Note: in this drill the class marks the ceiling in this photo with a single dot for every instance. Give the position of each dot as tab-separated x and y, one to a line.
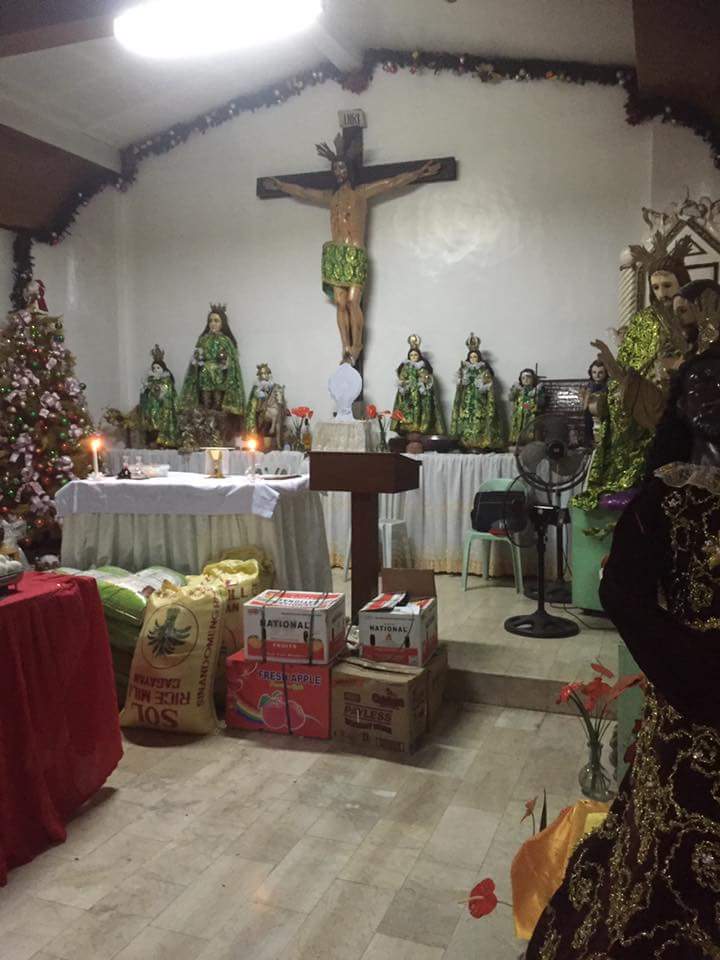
74	87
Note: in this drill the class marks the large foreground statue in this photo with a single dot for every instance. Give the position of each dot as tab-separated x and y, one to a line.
639	376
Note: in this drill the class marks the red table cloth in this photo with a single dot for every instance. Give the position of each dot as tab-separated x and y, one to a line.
59	729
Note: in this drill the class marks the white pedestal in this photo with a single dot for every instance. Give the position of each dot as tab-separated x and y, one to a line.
336	436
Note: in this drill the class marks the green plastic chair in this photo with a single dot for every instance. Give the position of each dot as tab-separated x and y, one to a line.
487	539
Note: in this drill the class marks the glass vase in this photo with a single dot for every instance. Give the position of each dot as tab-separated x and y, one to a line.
382	443
594	780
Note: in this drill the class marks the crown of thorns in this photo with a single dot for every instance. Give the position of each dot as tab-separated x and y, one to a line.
341	153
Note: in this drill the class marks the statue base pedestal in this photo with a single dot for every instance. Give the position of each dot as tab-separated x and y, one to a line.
340	436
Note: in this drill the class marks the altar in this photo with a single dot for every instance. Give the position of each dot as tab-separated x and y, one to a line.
186	520
437	514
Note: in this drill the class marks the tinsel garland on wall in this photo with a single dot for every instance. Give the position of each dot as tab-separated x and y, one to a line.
485	69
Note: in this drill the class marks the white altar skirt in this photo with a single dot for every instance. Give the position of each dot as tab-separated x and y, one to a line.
294	539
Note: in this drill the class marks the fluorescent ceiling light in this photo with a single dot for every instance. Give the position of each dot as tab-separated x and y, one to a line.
197	28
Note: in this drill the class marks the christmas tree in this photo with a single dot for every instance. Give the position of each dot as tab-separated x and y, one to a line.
43	416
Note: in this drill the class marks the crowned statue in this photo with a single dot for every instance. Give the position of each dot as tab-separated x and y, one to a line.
213	380
475	418
526	397
652	345
158	415
266	408
416	396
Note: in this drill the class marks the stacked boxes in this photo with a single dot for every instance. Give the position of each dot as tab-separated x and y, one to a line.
280	682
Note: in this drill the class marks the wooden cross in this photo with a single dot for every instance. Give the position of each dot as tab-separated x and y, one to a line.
324	179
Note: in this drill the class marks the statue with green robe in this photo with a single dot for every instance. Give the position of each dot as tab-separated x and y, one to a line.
475	422
639	376
416	396
526	397
213	380
158	415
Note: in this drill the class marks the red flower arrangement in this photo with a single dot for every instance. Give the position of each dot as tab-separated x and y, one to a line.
301	417
385	419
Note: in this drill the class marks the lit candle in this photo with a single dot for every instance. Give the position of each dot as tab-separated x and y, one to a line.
95	446
252	447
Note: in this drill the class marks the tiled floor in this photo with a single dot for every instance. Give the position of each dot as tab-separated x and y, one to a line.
268	848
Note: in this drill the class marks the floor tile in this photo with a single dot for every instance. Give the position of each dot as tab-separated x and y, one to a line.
303	877
422	799
391	948
426	908
154	944
342	924
380	865
255	932
211	899
491	937
142	895
85	882
462	837
98	934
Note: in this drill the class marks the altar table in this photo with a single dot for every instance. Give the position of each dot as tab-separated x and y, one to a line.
186	520
59	731
437	515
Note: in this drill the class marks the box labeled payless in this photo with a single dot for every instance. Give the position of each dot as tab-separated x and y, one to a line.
288	626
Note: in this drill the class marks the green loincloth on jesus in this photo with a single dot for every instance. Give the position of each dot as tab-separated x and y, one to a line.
343	265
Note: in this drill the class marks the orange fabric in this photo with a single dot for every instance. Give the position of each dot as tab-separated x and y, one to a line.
539	865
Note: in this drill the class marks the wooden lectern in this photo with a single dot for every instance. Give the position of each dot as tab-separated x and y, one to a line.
364	475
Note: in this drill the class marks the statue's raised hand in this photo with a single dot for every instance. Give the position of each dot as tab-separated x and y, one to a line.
430	168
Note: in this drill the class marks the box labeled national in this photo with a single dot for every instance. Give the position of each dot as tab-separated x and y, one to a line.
381	706
401	624
278	697
284	626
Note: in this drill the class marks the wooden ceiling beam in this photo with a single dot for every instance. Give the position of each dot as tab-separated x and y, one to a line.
40	24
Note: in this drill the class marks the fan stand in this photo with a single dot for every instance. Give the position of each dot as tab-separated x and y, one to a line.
559	591
541	623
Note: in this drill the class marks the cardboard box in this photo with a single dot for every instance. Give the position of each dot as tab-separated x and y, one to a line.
278	697
401	625
437	671
285	626
381	706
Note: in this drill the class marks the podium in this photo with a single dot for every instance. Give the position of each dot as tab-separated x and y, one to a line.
364	476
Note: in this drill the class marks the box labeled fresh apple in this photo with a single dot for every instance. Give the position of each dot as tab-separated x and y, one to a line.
278	697
401	625
285	626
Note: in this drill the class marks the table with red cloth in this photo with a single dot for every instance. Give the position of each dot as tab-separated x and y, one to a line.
59	730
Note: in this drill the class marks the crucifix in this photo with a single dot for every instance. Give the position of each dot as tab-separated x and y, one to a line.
345	190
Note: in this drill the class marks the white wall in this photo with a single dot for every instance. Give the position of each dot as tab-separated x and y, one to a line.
84	277
522	248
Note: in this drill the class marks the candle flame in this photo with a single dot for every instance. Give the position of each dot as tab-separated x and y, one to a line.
95	444
251	443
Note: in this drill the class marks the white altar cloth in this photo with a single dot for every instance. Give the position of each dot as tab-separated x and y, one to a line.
178	493
437	514
106	526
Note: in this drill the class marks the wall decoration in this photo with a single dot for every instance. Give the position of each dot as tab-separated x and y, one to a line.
486	69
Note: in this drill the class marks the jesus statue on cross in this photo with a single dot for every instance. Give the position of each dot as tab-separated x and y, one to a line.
345	257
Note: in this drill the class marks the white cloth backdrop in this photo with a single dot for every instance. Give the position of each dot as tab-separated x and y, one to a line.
437	514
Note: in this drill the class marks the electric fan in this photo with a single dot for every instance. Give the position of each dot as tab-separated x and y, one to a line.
550	460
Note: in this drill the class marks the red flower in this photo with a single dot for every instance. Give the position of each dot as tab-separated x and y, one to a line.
529	808
302	412
397	415
602	670
596	690
623	684
482	899
371	411
564	694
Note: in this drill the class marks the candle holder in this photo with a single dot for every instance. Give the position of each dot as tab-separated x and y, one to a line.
95	444
251	446
216	456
